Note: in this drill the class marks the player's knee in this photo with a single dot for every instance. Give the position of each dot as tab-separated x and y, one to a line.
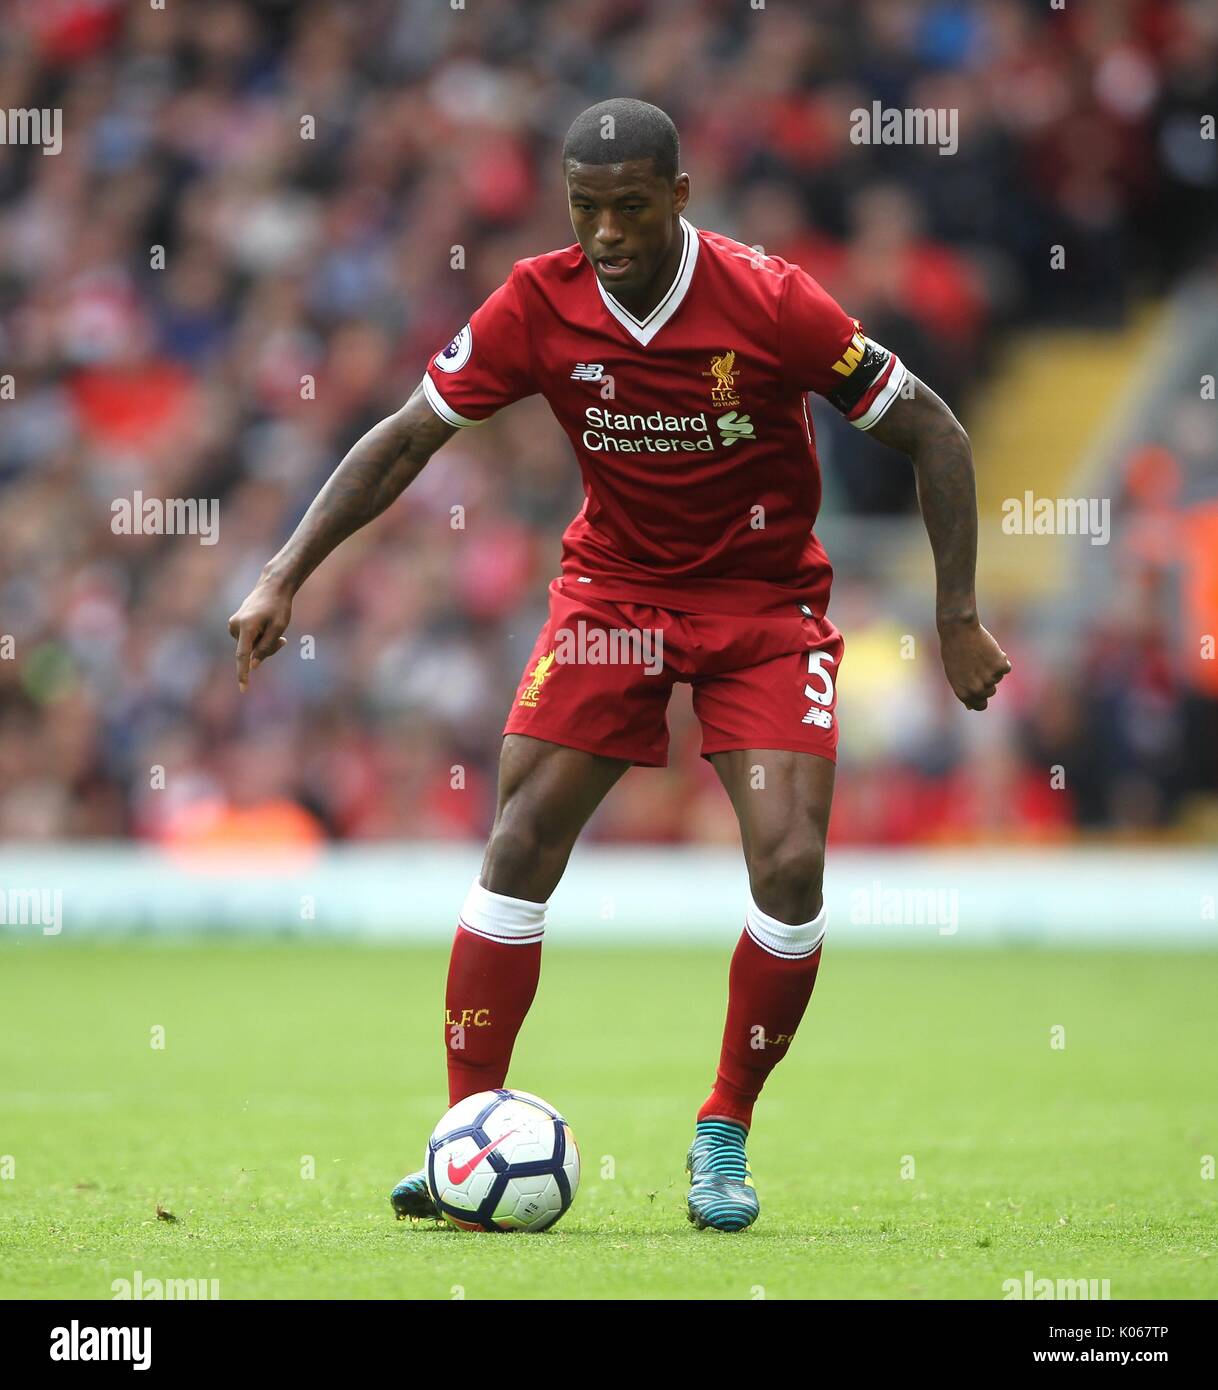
786	878
524	857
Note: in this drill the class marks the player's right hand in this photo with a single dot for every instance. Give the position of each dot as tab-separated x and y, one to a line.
258	626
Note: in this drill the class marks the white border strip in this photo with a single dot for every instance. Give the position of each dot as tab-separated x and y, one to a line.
888	393
444	410
644	330
1138	899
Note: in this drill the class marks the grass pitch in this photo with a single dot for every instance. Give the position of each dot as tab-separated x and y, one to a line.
923	1139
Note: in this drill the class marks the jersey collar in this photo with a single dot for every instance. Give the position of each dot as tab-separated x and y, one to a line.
644	330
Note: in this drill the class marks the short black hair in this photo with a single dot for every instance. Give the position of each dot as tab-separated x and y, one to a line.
620	129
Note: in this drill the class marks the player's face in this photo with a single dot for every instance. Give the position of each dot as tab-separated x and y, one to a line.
626	219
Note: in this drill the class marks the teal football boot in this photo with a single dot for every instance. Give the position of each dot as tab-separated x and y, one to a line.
721	1193
412	1199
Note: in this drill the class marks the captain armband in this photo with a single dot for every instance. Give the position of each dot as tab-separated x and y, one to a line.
872	378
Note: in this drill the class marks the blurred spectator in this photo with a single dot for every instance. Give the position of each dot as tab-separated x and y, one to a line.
265	217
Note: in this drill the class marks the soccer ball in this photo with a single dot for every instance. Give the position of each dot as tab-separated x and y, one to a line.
502	1161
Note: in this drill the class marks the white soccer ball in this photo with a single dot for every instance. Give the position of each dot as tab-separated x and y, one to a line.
502	1161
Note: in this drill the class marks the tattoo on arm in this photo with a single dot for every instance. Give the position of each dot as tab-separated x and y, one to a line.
923	427
372	475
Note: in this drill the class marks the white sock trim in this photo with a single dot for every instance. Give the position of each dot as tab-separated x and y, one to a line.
511	921
791	942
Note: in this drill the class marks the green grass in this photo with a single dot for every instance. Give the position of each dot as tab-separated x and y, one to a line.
1077	1163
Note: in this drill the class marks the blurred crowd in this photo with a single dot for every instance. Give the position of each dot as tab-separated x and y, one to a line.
243	256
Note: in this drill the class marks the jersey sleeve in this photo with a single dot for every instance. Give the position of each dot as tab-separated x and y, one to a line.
487	365
824	350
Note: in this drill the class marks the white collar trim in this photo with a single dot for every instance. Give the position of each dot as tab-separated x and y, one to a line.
644	330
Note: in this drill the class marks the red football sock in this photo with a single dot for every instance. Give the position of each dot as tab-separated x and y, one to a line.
492	978
770	982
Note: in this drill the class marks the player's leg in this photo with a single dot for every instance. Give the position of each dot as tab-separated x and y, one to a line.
546	794
782	803
575	726
766	696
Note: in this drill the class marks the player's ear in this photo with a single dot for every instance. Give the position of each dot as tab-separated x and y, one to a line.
680	193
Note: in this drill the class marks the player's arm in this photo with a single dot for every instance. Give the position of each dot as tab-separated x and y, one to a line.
372	475
824	350
919	424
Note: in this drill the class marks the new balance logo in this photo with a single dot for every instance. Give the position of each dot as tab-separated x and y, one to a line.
588	371
821	695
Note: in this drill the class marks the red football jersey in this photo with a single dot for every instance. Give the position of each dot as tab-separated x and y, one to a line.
691	426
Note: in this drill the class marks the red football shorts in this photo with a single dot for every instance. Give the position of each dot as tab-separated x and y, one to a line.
601	674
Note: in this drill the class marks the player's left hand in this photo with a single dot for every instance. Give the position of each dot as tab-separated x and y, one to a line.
974	663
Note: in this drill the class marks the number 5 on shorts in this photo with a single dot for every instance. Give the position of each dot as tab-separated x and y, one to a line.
824	695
